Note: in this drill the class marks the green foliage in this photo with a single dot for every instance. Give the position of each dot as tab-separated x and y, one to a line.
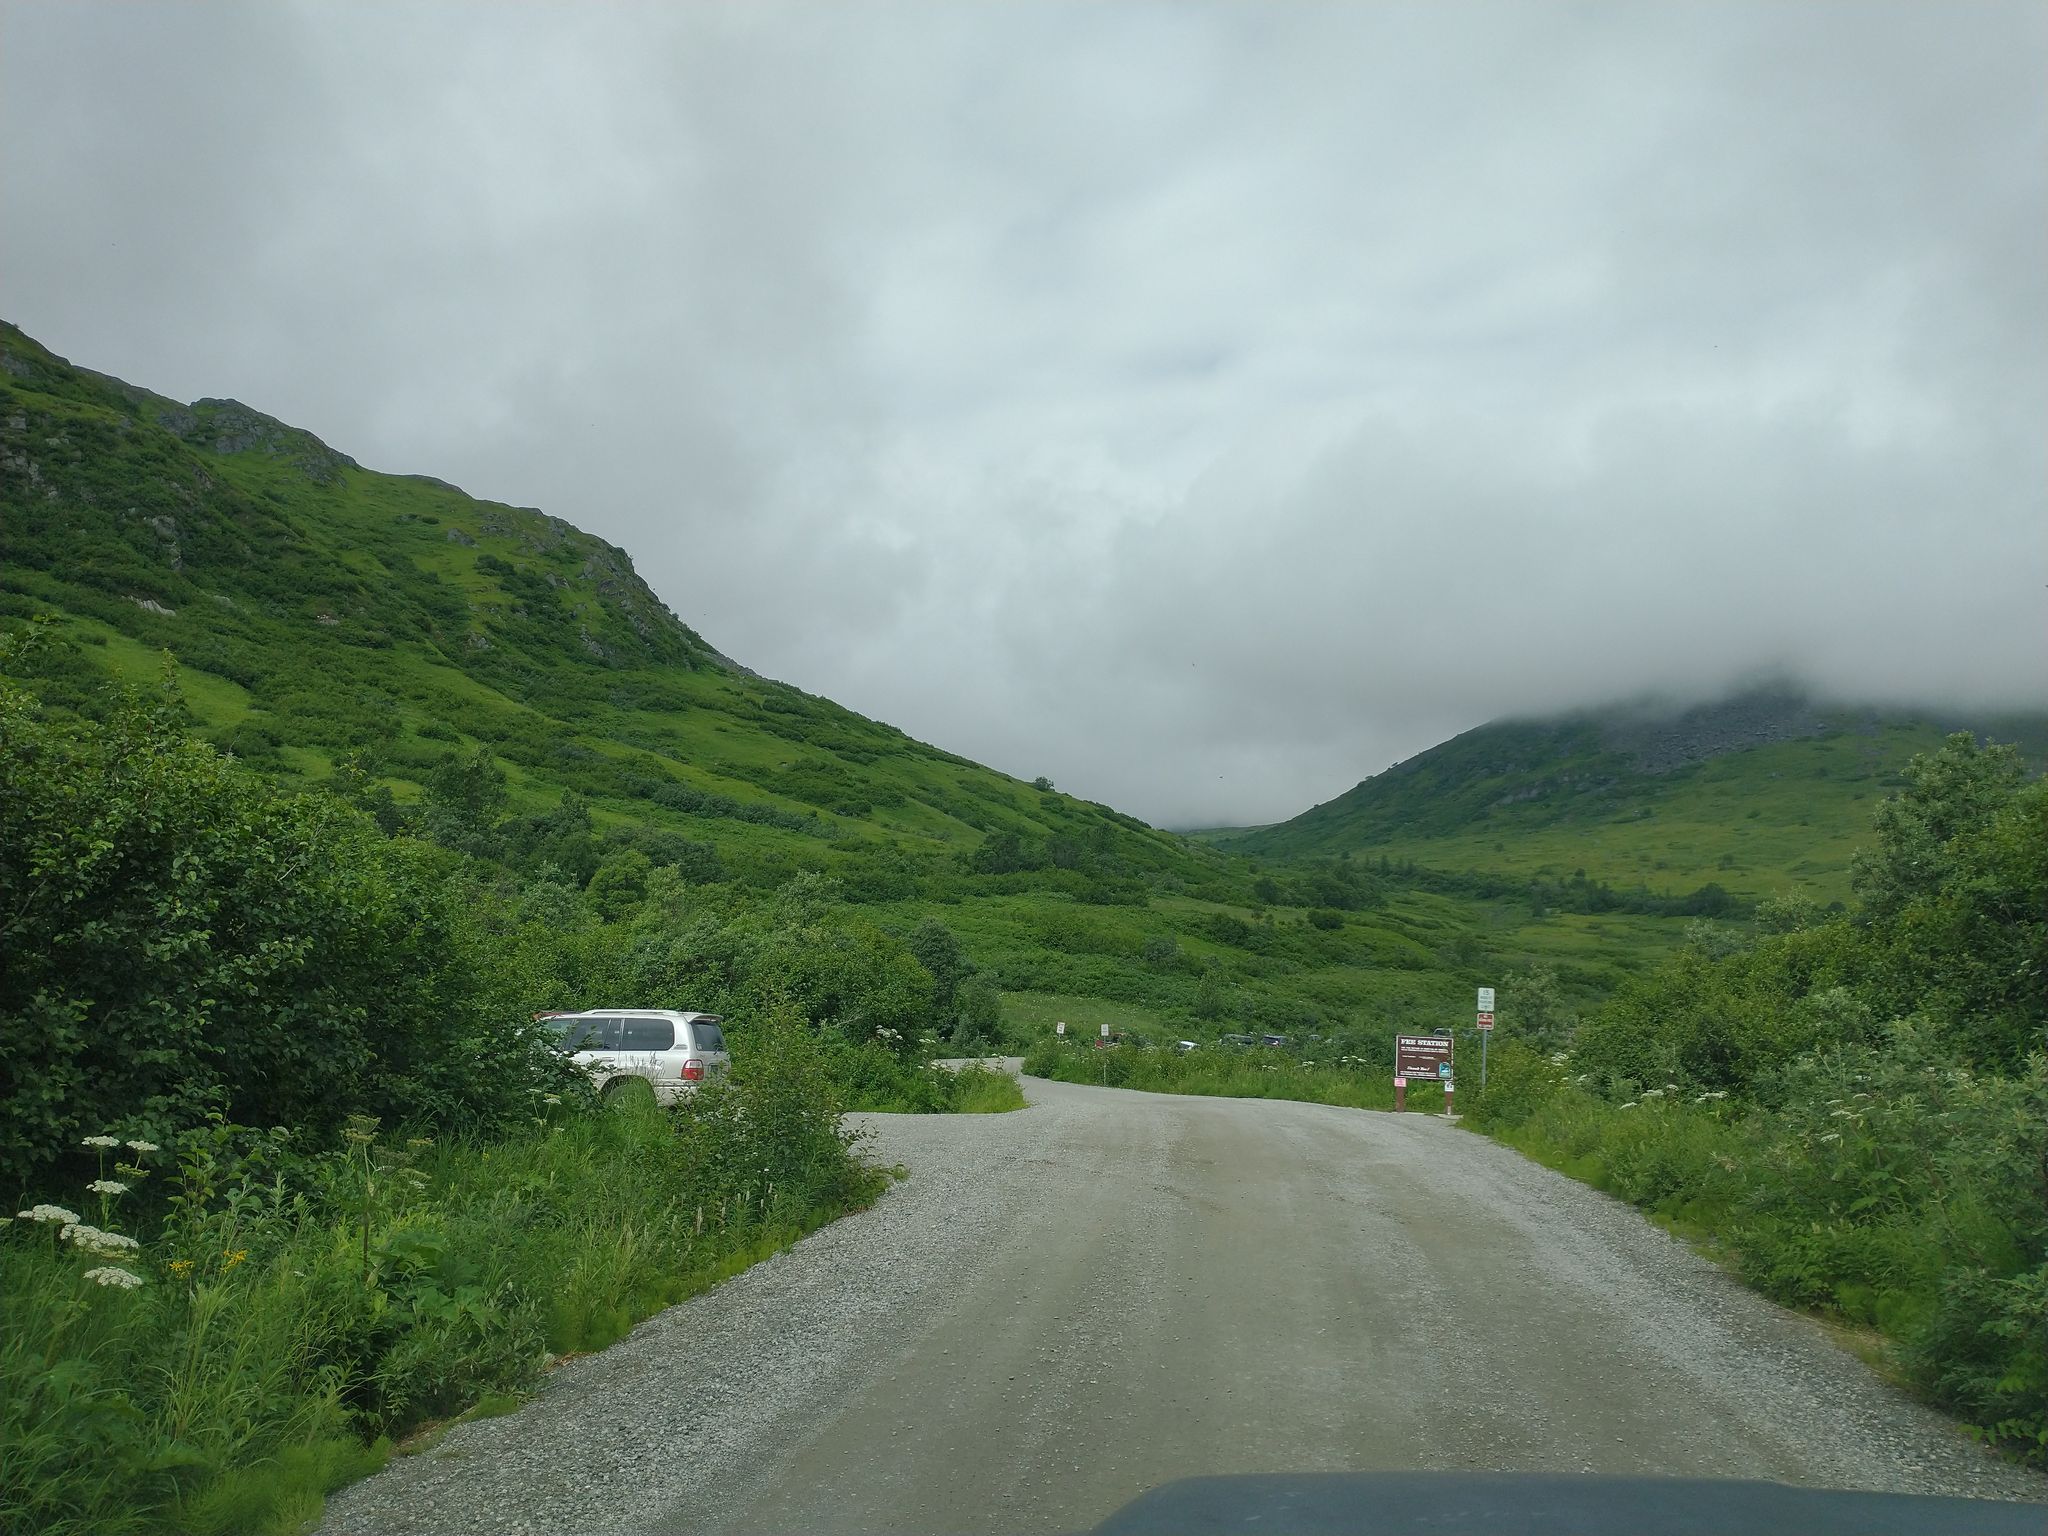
1949	797
938	951
1884	1185
619	885
1957	936
298	1308
187	939
979	1014
980	1089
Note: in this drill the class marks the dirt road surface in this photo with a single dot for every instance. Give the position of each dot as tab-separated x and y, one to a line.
1064	1306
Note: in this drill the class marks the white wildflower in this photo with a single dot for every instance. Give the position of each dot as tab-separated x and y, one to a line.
1832	1136
142	1146
105	1245
107	1187
101	1141
1631	1104
48	1213
1653	1093
120	1279
1841	1114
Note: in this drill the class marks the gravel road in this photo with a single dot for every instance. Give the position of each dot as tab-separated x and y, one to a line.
1064	1306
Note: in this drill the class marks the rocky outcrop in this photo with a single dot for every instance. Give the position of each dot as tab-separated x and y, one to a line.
1663	743
228	426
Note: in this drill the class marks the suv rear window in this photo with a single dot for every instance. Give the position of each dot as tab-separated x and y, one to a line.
709	1036
646	1034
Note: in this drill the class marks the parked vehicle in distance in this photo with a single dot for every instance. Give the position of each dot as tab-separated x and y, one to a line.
673	1053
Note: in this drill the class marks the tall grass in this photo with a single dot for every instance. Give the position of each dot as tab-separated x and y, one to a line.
872	1078
979	1089
296	1313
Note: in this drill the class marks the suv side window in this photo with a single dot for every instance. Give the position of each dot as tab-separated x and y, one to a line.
646	1034
603	1036
708	1035
575	1034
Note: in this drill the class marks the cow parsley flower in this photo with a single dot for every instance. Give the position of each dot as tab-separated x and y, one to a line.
105	1245
142	1146
49	1213
101	1142
120	1279
107	1187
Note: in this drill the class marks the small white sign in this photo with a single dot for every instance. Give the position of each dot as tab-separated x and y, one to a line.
1060	1028
1105	1031
1486	999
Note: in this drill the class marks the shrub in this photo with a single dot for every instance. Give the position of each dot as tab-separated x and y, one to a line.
192	940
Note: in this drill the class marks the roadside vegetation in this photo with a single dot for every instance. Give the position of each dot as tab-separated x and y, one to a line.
296	1174
1853	1108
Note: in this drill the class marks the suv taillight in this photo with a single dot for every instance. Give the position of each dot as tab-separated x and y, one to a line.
693	1071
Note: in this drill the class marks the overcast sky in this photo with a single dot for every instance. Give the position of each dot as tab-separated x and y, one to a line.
1204	405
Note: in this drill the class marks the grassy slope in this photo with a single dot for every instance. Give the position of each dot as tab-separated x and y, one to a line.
1553	798
340	610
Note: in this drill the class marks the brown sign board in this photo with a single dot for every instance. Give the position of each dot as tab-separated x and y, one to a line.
1422	1058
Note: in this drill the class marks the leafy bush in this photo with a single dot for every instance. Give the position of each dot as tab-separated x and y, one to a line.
286	1311
190	940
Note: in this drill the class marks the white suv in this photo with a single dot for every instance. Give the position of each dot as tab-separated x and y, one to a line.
672	1052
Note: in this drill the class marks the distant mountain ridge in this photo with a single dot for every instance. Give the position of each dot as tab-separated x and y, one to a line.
1609	789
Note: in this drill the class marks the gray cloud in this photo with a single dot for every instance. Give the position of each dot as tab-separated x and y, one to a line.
1204	404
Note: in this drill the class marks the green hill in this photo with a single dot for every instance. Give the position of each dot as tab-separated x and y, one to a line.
321	614
1765	791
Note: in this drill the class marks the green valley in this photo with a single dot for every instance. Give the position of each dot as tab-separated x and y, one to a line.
492	678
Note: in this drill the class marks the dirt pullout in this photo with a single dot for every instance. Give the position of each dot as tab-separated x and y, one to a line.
1065	1306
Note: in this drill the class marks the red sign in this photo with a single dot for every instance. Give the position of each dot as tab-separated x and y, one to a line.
1422	1056
1486	1021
